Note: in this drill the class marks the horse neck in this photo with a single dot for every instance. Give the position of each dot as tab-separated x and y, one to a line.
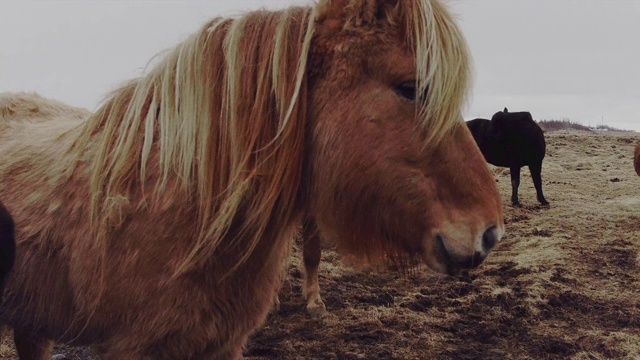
231	265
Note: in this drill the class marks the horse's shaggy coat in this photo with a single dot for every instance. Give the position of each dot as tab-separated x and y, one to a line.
157	227
512	140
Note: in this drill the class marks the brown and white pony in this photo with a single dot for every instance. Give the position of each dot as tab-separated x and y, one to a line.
636	159
156	228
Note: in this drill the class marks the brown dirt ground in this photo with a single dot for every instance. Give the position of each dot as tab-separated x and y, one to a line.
564	282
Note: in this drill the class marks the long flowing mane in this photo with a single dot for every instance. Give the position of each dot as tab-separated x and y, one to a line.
221	120
215	116
443	69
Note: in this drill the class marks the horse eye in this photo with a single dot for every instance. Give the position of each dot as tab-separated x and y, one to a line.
407	90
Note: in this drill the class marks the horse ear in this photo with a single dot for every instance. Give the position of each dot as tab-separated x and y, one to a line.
357	11
505	110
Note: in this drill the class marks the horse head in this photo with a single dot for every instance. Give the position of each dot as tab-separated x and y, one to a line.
394	171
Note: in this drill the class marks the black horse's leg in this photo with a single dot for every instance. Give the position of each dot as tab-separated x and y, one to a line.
515	182
7	246
536	175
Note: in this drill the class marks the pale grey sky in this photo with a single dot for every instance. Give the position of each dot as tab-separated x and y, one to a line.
575	59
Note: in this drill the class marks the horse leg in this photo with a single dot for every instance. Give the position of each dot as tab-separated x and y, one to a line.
515	182
7	246
536	175
311	253
32	349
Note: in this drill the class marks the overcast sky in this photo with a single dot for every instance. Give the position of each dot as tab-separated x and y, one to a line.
558	59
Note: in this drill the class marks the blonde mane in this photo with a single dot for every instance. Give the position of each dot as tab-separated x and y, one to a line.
443	68
221	120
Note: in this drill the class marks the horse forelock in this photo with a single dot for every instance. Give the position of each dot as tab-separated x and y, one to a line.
443	65
443	69
219	120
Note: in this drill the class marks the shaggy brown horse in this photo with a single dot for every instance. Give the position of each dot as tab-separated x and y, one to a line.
157	227
636	159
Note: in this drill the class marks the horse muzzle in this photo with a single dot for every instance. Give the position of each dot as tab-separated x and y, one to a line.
450	258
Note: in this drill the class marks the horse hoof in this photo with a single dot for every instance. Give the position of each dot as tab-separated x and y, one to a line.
316	309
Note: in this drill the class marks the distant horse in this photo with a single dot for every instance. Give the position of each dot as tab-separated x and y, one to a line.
512	140
636	159
157	227
7	246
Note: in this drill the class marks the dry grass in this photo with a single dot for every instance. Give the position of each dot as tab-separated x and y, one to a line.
6	349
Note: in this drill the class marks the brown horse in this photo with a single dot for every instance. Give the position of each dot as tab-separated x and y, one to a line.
636	159
156	228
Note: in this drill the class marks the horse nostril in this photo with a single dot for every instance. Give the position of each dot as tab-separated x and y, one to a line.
489	239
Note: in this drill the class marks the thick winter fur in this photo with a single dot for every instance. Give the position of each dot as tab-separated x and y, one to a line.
513	140
156	228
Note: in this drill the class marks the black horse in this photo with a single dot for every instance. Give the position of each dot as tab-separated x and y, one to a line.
7	245
512	140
